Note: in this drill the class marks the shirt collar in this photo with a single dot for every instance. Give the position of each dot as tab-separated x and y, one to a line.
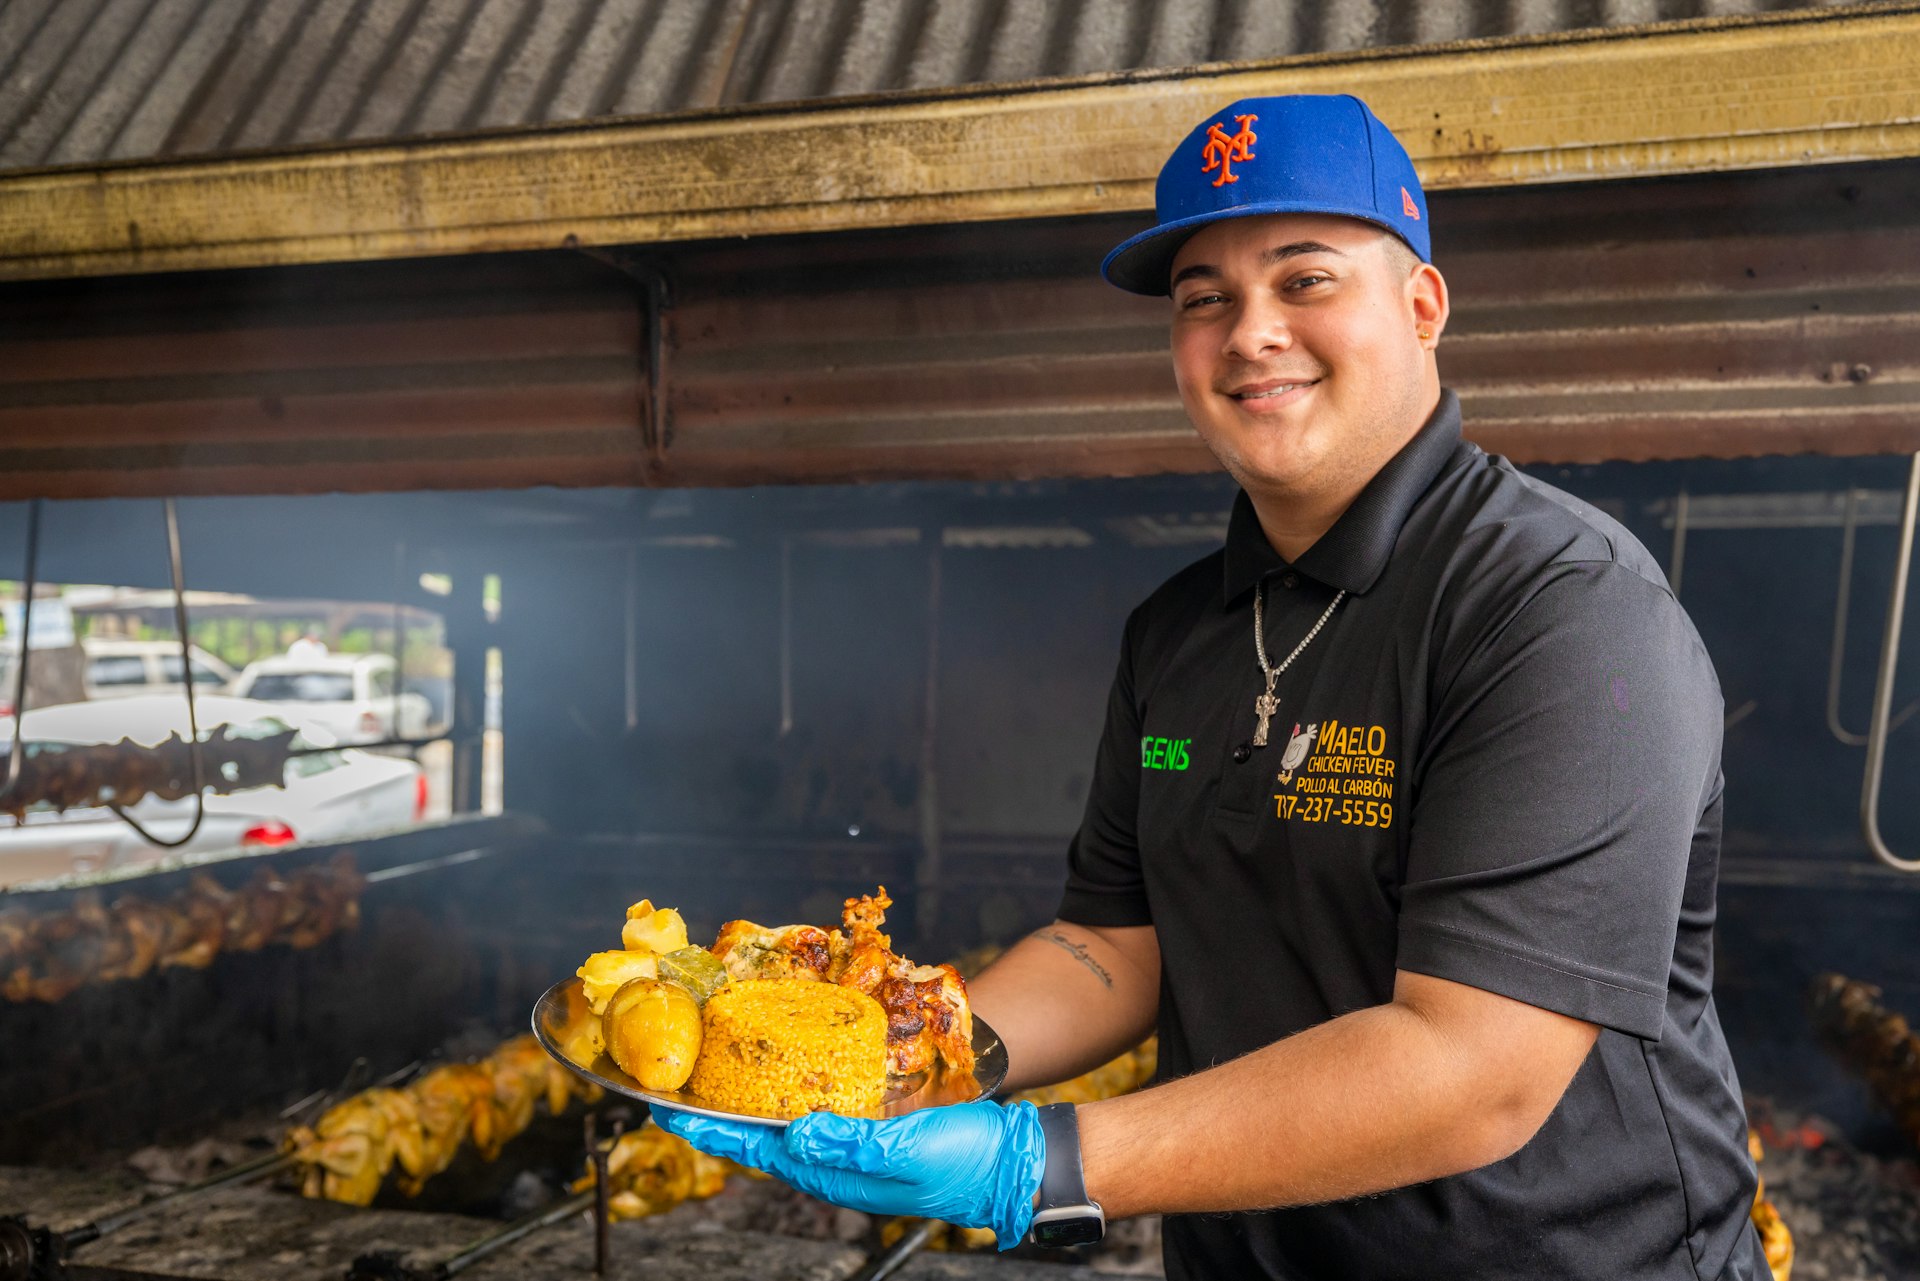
1355	550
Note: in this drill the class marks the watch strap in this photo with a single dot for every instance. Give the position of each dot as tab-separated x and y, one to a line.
1062	1182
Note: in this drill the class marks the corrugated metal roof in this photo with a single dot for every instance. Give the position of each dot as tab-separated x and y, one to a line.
85	81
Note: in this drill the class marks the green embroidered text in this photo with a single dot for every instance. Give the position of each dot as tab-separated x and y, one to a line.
1164	753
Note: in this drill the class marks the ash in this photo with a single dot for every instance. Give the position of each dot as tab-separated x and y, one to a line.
750	1205
1854	1215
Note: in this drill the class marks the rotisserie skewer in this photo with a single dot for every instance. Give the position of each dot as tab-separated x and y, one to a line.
74	776
46	958
347	1154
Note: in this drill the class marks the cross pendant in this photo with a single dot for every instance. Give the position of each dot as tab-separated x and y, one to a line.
1264	707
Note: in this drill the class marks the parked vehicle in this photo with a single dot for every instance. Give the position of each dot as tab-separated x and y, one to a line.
56	674
329	796
350	695
127	668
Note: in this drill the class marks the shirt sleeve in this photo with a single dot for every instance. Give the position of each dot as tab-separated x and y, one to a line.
1104	882
1568	762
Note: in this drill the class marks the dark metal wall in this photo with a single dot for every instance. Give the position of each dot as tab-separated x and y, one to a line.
1766	313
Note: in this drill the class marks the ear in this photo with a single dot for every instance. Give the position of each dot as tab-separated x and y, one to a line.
1427	303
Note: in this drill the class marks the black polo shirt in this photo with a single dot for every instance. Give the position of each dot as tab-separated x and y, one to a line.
1498	763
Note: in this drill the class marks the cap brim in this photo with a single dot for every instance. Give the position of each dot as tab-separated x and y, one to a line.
1143	264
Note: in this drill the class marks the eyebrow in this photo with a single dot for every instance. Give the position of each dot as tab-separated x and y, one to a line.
1277	254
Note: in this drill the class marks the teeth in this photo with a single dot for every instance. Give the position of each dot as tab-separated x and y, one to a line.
1277	391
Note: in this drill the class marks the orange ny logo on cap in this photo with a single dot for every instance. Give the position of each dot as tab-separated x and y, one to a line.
1407	206
1222	151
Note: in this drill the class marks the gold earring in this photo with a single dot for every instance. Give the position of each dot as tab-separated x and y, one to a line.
1425	334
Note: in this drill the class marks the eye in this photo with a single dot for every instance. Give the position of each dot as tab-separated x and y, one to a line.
1200	299
1308	281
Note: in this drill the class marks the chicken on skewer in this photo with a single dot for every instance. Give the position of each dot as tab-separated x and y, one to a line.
650	1172
47	958
347	1154
68	776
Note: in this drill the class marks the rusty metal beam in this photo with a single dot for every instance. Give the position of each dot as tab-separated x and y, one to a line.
1812	87
1711	316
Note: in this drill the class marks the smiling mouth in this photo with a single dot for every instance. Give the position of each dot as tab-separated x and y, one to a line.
1273	392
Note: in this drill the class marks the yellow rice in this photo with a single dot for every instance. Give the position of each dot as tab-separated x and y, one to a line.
786	1047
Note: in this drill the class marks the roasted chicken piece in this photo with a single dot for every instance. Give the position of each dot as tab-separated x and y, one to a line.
349	1150
1775	1239
45	958
752	951
197	929
650	1171
928	1016
424	1125
254	912
455	1103
143	928
863	956
942	997
523	1074
1873	1040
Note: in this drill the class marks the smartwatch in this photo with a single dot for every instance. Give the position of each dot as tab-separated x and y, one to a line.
1066	1216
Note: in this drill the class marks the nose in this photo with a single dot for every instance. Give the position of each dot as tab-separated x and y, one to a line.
1259	330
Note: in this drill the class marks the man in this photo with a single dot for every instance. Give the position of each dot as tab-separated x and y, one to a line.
1404	825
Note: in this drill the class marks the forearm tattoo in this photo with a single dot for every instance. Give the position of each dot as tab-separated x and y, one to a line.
1078	951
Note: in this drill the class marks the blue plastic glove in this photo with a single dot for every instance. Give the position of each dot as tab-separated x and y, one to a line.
977	1165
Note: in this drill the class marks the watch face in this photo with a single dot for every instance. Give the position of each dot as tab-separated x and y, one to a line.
1058	1234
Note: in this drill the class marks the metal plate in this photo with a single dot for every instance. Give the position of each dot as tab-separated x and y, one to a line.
564	1023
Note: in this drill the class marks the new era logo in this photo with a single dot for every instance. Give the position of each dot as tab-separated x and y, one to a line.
1407	206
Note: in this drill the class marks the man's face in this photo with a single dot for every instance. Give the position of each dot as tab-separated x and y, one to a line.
1297	350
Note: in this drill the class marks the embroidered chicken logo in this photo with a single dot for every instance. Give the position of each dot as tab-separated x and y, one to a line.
1224	150
1297	748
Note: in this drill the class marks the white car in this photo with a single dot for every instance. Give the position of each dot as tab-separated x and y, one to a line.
348	695
127	668
329	796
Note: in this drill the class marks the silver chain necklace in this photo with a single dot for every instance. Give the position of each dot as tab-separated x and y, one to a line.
1266	705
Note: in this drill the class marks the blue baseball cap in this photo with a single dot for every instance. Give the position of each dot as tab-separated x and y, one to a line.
1303	153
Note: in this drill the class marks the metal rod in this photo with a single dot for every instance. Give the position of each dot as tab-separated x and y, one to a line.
633	639
519	1228
602	1197
927	874
362	747
259	1166
1879	725
786	636
1836	658
265	1164
1677	562
398	730
26	644
656	301
895	1256
194	763
656	304
430	864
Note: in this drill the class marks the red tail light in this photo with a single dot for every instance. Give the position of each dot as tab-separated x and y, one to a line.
6	708
419	796
370	724
270	834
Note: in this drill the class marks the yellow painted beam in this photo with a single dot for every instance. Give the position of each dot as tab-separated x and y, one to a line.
1813	87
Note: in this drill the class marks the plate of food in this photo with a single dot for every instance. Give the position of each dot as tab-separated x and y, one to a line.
771	1023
